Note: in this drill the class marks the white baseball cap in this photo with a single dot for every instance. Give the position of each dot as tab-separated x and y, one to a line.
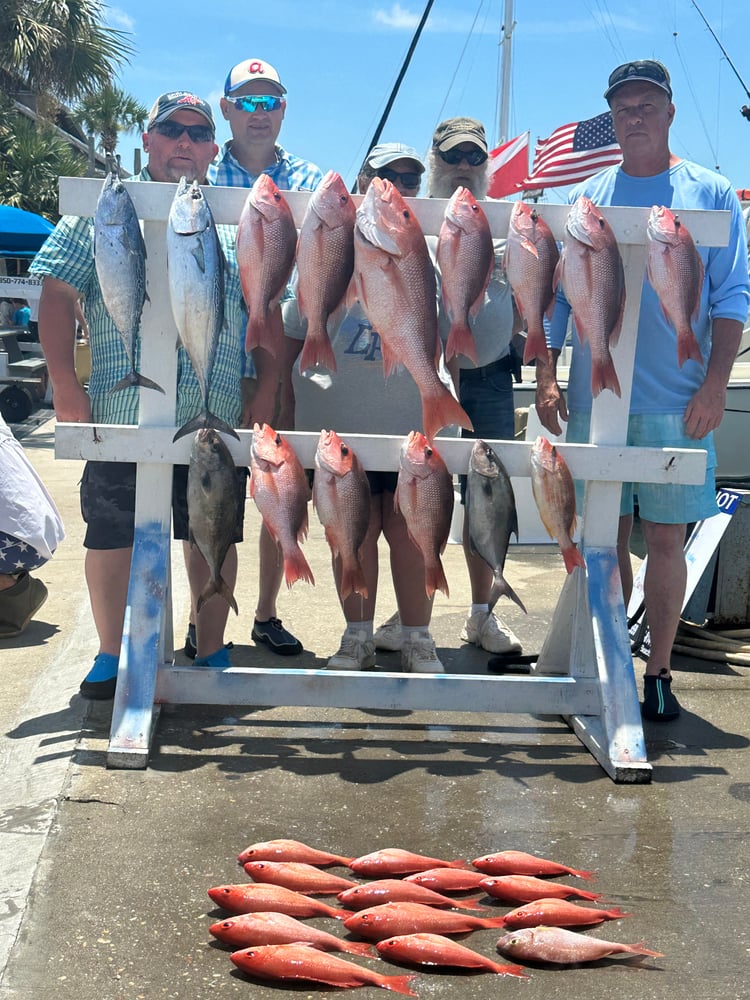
249	70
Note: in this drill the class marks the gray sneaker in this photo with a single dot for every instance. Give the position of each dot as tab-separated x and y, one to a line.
488	632
356	652
388	636
19	604
418	655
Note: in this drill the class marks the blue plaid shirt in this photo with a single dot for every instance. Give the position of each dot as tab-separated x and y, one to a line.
289	173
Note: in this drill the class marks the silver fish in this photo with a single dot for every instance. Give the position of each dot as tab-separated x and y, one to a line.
120	263
195	265
491	510
214	503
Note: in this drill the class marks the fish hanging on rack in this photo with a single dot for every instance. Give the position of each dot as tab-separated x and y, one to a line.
530	261
195	266
555	496
120	263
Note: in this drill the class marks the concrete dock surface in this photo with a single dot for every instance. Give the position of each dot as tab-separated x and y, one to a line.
104	873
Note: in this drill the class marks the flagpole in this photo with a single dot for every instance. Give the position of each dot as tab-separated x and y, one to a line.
506	45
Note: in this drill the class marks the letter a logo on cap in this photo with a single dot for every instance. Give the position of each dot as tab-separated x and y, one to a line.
255	67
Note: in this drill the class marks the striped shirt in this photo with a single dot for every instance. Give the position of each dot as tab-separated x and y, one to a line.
289	173
68	255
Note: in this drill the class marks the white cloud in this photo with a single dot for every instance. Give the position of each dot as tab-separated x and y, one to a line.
119	19
397	17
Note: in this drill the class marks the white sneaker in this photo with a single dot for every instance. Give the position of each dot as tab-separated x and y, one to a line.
356	652
388	636
418	655
485	630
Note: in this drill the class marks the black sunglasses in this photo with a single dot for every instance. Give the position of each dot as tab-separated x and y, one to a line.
408	180
454	156
173	130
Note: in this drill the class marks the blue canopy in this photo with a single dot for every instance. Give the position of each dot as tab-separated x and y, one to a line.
21	233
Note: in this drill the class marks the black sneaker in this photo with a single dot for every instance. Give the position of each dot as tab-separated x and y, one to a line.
190	649
659	704
276	637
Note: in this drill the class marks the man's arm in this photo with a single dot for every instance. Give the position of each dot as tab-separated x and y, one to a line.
272	401
705	410
57	335
550	402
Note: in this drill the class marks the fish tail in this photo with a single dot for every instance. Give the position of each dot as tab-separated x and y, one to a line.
442	410
435	580
604	376
317	350
641	949
582	874
536	346
572	557
296	567
205	419
501	588
687	347
220	587
135	378
491	921
397	984
257	334
472	903
339	914
511	970
358	948
461	341
353	581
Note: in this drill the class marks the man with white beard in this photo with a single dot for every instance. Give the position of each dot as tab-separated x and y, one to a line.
458	158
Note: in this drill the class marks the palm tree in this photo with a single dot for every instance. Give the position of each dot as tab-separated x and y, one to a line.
108	112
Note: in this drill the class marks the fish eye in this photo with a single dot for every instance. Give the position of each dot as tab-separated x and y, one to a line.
428	452
277	439
407	214
344	449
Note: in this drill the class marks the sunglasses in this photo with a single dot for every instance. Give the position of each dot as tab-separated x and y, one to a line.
174	130
408	180
251	102
454	156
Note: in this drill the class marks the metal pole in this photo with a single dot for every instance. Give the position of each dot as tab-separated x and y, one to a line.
506	44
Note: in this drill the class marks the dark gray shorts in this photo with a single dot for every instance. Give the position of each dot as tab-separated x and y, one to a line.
108	504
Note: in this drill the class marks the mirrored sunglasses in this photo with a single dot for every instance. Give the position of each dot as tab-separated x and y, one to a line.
408	180
251	102
173	130
454	156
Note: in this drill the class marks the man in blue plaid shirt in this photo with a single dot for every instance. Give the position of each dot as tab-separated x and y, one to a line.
254	104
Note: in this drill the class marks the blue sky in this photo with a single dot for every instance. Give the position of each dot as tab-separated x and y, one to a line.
339	60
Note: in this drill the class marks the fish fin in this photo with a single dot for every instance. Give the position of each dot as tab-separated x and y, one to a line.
400	984
572	558
501	588
604	376
435	580
317	350
639	948
441	410
529	246
296	568
687	347
135	378
258	335
359	948
353	581
461	341
206	419
535	347
220	587
617	328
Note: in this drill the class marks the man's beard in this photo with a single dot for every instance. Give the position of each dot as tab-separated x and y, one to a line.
442	182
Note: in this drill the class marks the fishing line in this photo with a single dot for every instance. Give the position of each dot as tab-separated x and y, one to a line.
695	100
458	64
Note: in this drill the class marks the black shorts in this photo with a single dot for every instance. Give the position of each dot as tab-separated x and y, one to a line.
108	504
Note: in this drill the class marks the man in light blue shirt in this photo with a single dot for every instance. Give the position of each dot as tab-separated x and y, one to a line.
671	405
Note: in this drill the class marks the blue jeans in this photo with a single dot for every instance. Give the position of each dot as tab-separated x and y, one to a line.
486	395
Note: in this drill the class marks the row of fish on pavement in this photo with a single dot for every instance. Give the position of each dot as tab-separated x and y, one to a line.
407	910
341	497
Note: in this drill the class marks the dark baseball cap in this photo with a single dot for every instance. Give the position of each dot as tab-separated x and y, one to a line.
178	100
648	70
453	131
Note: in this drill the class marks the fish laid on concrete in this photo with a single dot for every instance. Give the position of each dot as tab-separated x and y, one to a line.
196	266
297	875
555	496
530	261
307	963
521	863
120	263
341	497
399	890
593	279
436	949
466	258
255	897
492	518
395	861
675	270
389	919
283	849
395	282
563	947
424	496
325	262
447	879
214	503
266	244
247	929
527	888
280	489
559	913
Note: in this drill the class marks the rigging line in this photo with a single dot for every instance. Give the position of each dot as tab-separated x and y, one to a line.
458	64
695	100
726	54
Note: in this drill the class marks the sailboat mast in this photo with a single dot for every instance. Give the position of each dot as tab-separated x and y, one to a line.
506	46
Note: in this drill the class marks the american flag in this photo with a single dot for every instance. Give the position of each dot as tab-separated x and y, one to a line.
574	152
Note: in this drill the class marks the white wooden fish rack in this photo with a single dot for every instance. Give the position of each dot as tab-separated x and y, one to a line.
585	668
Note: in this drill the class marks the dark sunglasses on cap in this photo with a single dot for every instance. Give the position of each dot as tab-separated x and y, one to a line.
251	102
174	130
408	180
474	157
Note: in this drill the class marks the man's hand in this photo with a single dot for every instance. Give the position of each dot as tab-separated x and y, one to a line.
705	410
72	403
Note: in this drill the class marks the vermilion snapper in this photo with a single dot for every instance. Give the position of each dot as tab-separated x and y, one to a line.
563	947
520	863
397	890
395	282
290	850
675	271
527	888
435	949
303	961
395	861
257	897
555	496
466	258
378	922
279	487
559	913
298	876
268	927
447	879
530	260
